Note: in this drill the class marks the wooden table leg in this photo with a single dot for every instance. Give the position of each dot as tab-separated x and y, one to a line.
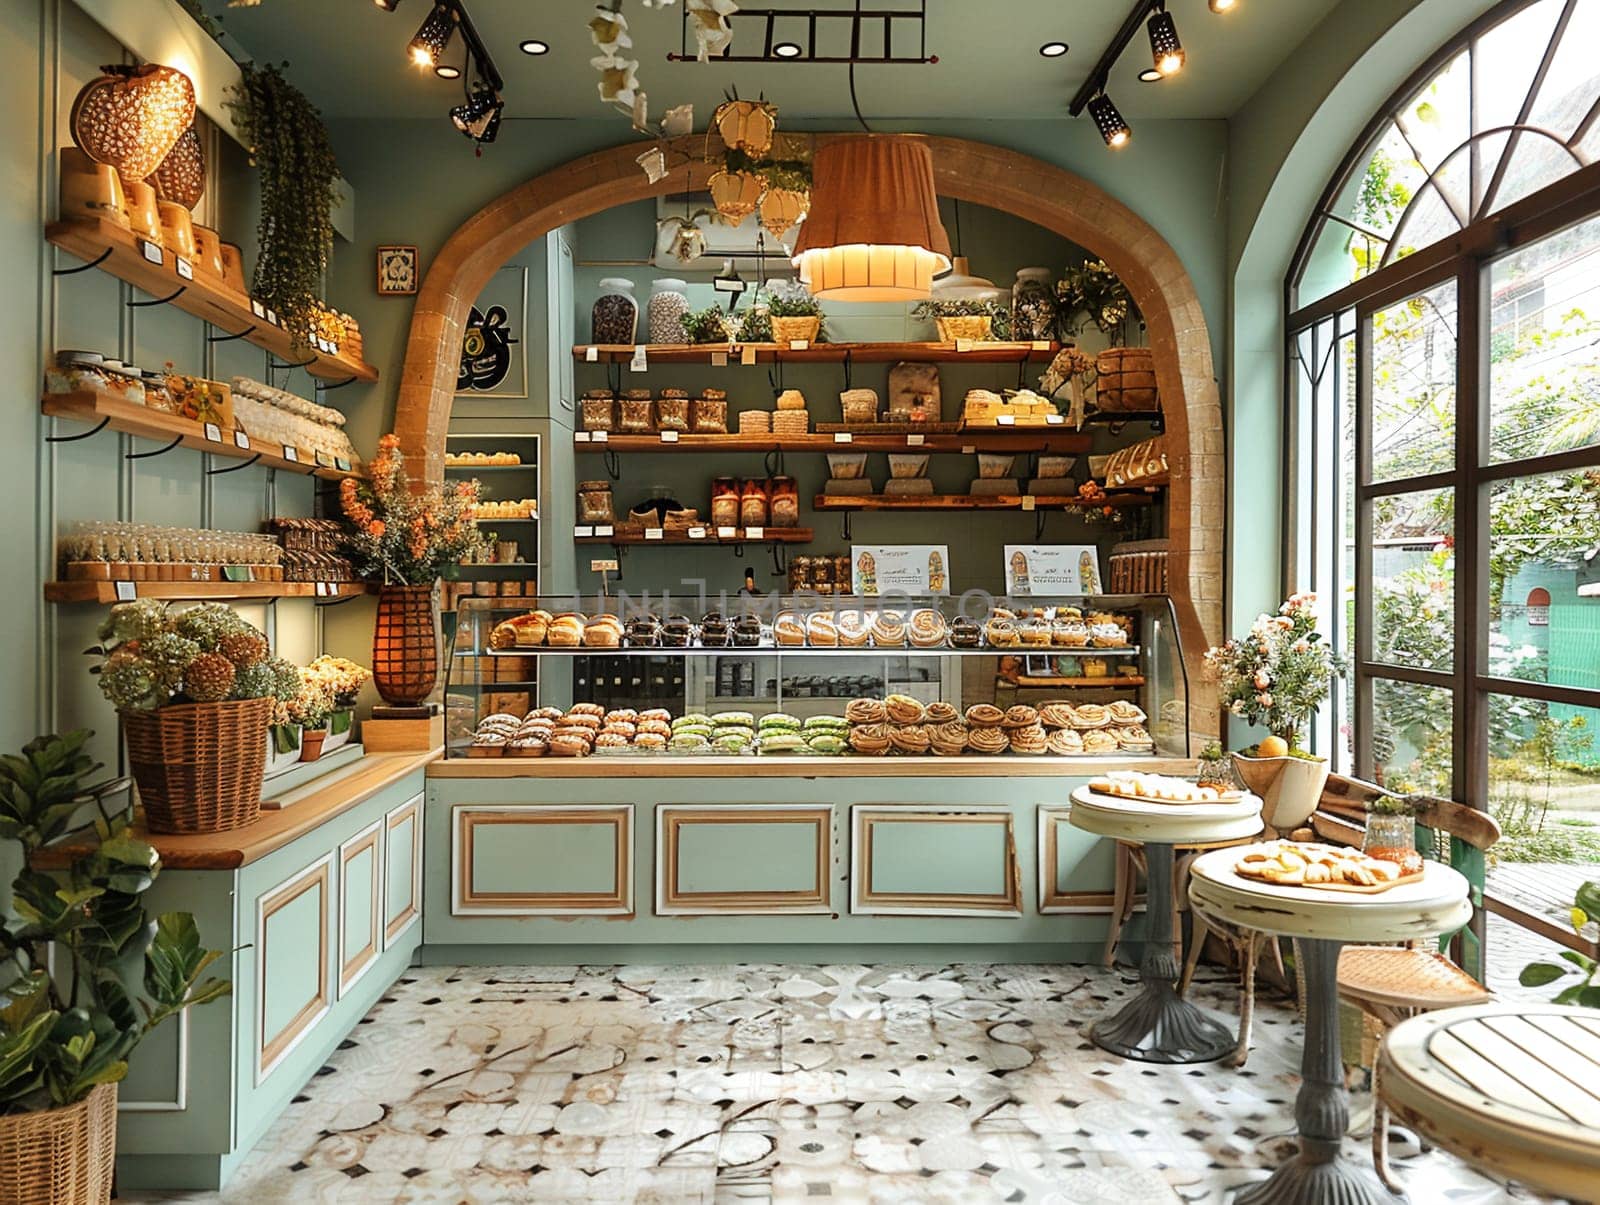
1158	1025
1319	1174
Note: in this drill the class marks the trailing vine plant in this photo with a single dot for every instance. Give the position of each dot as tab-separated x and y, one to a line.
289	146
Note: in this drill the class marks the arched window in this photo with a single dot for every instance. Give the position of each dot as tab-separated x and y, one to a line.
1443	397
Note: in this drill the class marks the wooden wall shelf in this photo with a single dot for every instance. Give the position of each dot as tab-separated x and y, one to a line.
105	593
769	535
117	251
1039	439
947	502
821	353
134	419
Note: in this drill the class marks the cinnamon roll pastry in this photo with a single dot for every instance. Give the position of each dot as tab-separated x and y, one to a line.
821	631
1133	737
657	713
854	629
569	746
1099	741
787	630
888	630
593	709
1090	715
658	727
625	714
1002	633
1124	712
1064	742
928	629
909	738
546	713
582	720
870	739
948	739
985	715
1030	740
620	728
1056	715
988	740
865	711
941	713
903	709
611	740
1021	716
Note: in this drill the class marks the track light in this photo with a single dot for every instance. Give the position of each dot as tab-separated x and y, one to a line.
1109	122
433	37
388	6
479	117
1150	76
447	71
1223	6
1165	48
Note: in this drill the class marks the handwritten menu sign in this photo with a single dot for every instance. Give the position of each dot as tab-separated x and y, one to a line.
904	568
1052	569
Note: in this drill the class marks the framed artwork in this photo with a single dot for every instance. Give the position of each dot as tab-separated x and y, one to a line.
397	271
493	360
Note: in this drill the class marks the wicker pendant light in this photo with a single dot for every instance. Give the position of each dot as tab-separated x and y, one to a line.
873	232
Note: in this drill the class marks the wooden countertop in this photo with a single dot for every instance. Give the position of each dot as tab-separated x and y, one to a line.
303	810
668	766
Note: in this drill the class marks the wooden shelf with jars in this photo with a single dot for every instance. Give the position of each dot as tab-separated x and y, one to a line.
961	352
1043	440
107	592
947	502
707	535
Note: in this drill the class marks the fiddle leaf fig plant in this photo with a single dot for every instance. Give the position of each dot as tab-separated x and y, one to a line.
68	1026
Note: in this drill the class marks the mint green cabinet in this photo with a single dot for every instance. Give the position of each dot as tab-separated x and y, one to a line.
743	858
934	861
532	861
401	894
361	868
1077	870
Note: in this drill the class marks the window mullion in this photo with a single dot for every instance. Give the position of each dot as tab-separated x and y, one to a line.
1364	607
1470	763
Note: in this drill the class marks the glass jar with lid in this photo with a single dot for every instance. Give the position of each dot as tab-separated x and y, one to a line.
753	503
783	502
615	316
669	302
1033	304
636	412
594	502
724	502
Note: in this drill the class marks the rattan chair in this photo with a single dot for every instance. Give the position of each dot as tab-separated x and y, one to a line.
1131	867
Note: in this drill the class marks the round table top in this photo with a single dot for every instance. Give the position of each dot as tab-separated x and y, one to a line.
1436	903
1150	821
1512	1088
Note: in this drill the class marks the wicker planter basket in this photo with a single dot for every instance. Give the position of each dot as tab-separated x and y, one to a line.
60	1156
199	765
788	330
1125	379
976	327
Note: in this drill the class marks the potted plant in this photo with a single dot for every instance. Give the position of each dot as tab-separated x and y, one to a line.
345	679
311	706
405	539
1391	832
976	318
706	326
796	315
194	690
1276	677
1091	289
68	1022
283	733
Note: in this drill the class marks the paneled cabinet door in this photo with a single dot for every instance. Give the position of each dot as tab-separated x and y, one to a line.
360	904
293	986
933	861
402	869
743	858
533	860
1077	870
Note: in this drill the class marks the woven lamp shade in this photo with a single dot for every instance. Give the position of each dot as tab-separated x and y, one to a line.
873	233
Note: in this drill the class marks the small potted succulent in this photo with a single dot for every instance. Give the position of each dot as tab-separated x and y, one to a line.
796	315
979	319
1276	676
345	679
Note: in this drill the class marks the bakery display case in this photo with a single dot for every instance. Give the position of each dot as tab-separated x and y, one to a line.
804	677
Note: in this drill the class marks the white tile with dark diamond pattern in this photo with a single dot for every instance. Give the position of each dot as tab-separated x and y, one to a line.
829	1084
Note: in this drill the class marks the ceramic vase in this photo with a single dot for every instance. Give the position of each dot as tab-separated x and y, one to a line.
1290	787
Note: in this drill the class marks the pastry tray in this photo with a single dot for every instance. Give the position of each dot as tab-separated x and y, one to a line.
1235	797
1349	888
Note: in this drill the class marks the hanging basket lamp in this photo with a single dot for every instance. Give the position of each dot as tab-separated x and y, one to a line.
746	124
736	194
781	208
873	232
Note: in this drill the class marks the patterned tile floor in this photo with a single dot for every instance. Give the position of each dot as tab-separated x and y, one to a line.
785	1084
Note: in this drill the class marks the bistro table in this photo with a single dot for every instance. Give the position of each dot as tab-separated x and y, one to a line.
1325	920
1511	1088
1158	1025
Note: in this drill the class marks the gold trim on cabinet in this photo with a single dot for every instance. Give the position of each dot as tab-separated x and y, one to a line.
393	928
866	897
270	1052
1051	897
817	896
615	902
352	965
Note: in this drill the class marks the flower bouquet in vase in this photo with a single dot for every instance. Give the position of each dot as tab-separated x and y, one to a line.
310	708
1277	676
345	678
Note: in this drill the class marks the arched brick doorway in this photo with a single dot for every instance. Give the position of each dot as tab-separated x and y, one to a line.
1040	192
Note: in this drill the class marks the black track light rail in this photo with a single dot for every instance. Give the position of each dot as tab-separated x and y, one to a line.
859	19
487	71
1096	82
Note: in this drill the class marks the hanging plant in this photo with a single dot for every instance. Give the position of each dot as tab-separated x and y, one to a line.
289	147
1095	291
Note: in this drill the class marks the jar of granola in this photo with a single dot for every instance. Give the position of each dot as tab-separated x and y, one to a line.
594	502
709	414
672	410
724	502
783	502
597	410
753	503
637	412
615	317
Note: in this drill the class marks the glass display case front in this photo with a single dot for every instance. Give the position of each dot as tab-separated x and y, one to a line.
812	675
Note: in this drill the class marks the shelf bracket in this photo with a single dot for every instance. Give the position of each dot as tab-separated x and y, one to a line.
613	464
93	263
847	368
320	387
339	602
1038	524
234	468
614	376
135	305
248	331
176	440
780	560
67	439
844	532
1022	370
275	363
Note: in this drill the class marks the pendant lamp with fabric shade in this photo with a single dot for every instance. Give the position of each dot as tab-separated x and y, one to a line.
873	233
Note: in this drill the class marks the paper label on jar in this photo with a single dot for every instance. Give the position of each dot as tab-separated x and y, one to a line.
842	437
727	533
916	441
641	359
185	269
697	533
213	433
719	359
654	533
150	251
591	355
242	441
599	437
755	533
581	532
799	344
603	529
669	437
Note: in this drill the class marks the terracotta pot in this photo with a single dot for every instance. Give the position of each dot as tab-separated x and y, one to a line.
311	743
1290	787
60	1156
405	655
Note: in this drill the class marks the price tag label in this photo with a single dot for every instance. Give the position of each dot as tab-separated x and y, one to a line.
602	566
272	317
641	359
291	453
843	437
213	433
1055	420
968	449
697	533
322	589
185	268
799	344
582	533
1041	345
727	533
755	533
242	442
591	355
963	345
654	533
325	460
127	591
340	463
669	437
581	437
256	308
747	354
150	251
1028	501
719	359
603	529
1005	420
916	441
600	437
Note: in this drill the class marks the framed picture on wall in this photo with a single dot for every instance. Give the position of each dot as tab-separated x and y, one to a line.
397	271
493	359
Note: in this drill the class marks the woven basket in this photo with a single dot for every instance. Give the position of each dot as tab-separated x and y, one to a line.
787	330
199	765
60	1156
1125	379
405	654
964	326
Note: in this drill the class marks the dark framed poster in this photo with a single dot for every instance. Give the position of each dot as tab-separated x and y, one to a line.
494	359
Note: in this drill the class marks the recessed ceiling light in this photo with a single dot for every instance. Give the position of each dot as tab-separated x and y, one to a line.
786	50
1221	6
533	46
1053	50
1151	76
446	71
